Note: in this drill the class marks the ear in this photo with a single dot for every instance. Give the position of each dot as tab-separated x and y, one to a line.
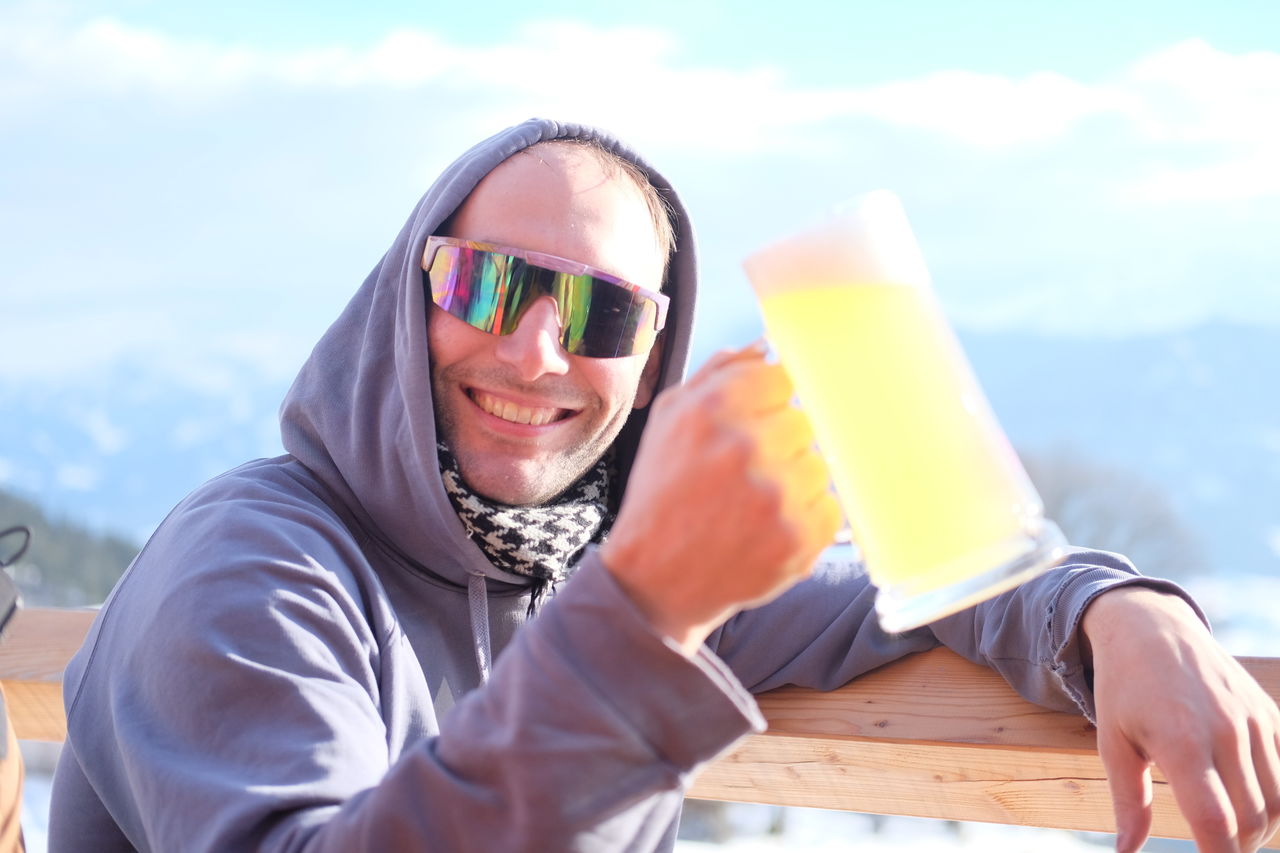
649	377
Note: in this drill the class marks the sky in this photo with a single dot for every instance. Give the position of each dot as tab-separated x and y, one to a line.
185	184
190	192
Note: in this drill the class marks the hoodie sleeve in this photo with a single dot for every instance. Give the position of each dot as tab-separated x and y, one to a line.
246	712
823	632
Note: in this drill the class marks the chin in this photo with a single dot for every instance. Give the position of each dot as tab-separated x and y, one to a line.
508	484
522	484
507	493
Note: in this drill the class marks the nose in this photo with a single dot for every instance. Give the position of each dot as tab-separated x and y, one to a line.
533	349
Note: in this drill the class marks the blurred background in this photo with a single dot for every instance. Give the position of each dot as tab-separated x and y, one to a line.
189	193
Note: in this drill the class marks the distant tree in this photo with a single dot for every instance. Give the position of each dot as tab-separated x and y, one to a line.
1112	509
67	565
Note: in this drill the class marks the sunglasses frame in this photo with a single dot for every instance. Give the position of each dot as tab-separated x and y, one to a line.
549	263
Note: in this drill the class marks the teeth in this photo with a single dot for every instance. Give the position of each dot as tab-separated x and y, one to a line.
509	411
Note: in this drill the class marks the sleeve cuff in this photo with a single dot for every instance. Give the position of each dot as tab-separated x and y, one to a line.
1066	612
688	710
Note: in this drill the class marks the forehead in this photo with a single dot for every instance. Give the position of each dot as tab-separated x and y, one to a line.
562	200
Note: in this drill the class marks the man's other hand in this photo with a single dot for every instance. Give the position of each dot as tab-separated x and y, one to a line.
728	502
1168	694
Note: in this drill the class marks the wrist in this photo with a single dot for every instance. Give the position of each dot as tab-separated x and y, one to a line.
686	631
1130	611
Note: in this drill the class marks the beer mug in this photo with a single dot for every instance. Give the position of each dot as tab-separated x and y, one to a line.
938	503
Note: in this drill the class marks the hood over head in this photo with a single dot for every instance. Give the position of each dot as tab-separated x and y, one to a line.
360	413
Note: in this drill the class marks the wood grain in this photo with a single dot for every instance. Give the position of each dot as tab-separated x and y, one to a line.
929	736
35	650
935	736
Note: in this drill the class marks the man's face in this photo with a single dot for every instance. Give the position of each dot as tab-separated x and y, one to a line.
524	418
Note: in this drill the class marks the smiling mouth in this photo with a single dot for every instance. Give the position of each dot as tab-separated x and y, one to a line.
516	414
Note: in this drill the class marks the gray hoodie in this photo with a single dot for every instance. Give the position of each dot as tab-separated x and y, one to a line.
293	661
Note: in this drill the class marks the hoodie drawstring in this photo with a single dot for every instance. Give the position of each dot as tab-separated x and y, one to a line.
478	598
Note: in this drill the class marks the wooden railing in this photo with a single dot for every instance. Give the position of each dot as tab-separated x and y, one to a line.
935	736
930	736
33	653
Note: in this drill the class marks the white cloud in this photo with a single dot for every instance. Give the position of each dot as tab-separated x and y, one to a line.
1194	97
987	109
1194	92
272	356
608	76
1187	93
47	345
1183	125
613	76
105	54
77	478
191	432
1249	177
108	438
1254	175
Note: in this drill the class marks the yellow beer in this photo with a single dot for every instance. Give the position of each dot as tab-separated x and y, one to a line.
937	500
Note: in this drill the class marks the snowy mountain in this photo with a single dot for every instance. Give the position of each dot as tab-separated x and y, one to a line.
1193	415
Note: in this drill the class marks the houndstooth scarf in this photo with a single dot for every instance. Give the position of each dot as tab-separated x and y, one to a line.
541	542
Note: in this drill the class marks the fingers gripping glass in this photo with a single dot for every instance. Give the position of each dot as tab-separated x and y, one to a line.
490	287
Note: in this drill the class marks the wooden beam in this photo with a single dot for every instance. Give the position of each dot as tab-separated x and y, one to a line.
929	736
35	649
934	736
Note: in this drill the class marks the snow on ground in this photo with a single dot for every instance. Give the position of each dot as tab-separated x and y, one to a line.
35	811
820	831
1241	608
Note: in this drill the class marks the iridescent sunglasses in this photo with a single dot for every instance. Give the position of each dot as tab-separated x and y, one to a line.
490	287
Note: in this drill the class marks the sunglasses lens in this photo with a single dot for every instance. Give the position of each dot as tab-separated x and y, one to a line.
490	290
603	320
470	286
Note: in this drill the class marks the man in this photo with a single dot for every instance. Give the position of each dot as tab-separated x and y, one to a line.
303	655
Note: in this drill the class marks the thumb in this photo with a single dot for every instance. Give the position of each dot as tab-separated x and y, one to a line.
1129	777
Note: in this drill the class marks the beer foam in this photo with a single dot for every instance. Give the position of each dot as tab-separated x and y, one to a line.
866	240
